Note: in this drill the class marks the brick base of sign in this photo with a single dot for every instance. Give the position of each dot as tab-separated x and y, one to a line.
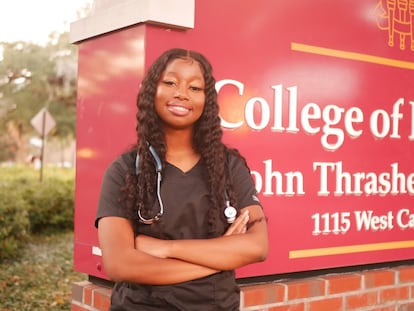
382	289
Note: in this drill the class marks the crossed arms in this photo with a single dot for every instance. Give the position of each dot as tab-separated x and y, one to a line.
148	260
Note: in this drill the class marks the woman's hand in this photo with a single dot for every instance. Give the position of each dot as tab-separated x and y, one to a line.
239	226
245	242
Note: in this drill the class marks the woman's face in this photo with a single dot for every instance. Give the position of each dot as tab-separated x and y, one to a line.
180	96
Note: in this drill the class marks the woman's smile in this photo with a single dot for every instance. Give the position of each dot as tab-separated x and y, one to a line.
178	109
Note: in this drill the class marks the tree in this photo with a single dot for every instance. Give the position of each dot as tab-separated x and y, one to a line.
33	77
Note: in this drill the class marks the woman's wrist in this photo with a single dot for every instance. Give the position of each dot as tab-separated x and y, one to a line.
171	246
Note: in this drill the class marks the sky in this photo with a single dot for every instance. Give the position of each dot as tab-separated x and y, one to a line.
34	20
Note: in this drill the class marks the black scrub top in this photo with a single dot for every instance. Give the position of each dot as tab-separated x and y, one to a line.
186	202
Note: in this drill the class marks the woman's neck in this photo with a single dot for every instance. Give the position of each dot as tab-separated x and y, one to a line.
180	151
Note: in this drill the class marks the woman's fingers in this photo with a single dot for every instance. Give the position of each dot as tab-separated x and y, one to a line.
239	225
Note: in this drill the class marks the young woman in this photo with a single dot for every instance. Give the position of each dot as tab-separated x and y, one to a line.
179	212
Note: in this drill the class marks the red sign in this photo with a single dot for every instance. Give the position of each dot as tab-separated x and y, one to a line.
316	94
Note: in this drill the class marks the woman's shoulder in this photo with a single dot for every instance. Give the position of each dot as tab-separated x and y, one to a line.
235	159
124	162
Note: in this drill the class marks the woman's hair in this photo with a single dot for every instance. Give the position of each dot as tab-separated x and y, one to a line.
207	141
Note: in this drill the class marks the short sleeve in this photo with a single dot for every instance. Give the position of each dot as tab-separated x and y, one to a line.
109	203
243	183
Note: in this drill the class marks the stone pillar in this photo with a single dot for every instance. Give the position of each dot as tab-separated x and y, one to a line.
111	15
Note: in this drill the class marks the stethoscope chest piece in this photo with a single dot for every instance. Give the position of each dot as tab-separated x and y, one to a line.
230	212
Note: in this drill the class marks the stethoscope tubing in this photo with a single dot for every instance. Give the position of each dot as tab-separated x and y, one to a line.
230	212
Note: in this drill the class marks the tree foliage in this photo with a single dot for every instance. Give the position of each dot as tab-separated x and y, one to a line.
33	77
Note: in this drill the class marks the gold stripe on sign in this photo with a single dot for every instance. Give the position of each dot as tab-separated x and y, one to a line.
350	249
312	49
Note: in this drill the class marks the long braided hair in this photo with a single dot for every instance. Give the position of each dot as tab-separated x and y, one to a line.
207	141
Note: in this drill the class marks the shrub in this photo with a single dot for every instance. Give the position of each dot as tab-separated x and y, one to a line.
30	206
50	205
14	222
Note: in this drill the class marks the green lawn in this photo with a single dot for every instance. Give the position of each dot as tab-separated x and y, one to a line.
41	278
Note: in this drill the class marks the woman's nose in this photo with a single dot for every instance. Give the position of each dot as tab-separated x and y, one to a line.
181	92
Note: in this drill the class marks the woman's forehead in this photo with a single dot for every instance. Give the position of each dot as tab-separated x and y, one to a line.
184	66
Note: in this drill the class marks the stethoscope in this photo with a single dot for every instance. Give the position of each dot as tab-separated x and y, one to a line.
229	212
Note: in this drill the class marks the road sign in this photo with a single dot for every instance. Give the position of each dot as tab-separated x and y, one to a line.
43	122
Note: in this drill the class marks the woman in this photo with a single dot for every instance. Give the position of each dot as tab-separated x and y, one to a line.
174	244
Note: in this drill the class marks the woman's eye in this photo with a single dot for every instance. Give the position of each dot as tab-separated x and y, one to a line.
168	82
196	88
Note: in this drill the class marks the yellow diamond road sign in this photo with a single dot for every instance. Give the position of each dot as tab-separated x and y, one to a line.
43	122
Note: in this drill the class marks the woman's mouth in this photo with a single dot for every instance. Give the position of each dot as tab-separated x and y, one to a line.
178	110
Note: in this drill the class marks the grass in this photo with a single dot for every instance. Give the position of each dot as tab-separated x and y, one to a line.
41	278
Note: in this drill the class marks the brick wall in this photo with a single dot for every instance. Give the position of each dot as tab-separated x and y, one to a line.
381	289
